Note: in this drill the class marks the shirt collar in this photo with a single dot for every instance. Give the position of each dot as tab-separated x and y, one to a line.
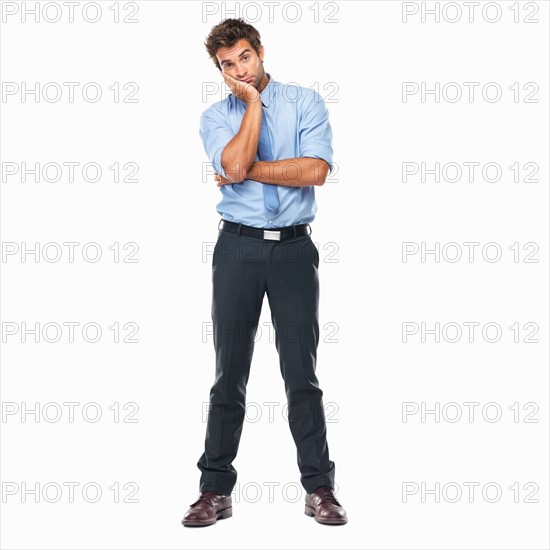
267	92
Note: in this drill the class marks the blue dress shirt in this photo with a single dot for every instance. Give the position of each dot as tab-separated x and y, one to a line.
298	126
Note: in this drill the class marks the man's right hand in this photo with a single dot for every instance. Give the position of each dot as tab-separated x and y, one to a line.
245	92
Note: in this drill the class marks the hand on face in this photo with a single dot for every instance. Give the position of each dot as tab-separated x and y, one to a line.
242	90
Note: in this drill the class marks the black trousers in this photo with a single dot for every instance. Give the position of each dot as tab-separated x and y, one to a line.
244	268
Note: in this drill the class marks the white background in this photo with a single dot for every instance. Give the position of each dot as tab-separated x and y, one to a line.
358	63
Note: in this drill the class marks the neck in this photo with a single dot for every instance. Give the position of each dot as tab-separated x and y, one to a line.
263	83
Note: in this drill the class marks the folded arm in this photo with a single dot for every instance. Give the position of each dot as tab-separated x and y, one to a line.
295	172
314	160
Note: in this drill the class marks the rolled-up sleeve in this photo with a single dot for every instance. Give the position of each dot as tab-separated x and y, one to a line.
315	131
215	135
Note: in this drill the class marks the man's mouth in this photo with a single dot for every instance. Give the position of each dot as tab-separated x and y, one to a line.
248	80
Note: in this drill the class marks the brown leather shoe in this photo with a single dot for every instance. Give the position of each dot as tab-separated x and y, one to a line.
323	506
208	509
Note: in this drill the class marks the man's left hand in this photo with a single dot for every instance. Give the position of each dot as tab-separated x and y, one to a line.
221	180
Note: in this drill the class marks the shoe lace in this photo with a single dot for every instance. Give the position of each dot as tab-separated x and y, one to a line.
205	496
327	494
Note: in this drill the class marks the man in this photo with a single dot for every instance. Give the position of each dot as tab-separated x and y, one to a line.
270	146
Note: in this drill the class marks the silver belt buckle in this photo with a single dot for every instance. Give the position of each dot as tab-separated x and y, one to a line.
272	235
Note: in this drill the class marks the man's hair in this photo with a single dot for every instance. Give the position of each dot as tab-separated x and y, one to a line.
227	34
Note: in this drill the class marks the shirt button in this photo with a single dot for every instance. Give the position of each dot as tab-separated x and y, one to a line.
268	221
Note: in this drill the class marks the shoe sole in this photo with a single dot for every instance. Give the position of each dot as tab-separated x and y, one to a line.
222	514
335	521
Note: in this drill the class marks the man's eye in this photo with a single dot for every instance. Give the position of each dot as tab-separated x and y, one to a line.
245	57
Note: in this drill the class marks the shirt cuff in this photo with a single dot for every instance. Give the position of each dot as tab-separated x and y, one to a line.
217	164
320	152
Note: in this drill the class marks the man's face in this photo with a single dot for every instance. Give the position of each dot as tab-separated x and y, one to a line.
241	62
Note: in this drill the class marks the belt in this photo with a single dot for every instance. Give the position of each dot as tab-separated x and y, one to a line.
280	234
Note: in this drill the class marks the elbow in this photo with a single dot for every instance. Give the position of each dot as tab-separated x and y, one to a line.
235	171
323	172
